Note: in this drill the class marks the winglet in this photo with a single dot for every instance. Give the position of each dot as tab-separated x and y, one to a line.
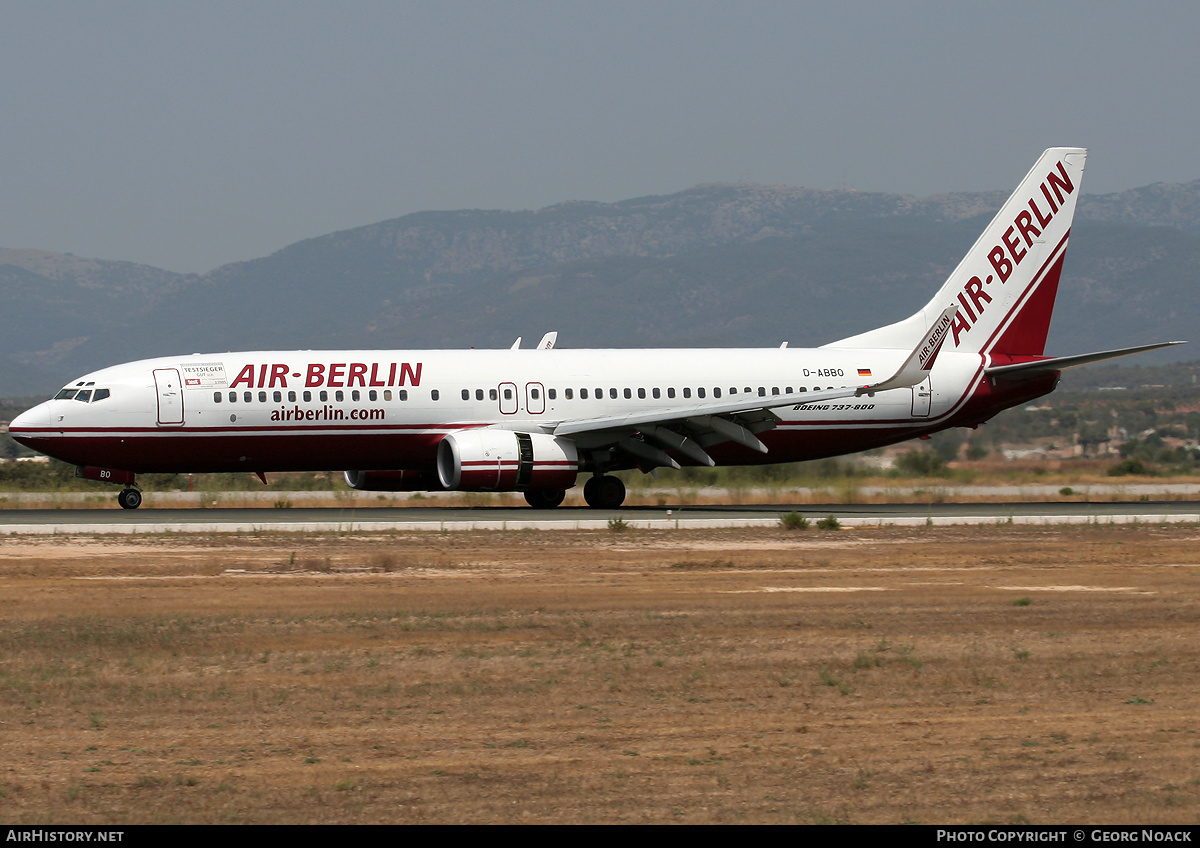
548	340
920	362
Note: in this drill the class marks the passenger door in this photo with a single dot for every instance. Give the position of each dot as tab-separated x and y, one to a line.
922	399
170	397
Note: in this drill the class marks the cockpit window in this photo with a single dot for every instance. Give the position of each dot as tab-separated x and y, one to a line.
83	395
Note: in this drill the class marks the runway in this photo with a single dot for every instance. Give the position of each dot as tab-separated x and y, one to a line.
450	519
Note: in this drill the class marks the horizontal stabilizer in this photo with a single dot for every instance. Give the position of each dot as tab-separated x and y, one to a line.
1027	370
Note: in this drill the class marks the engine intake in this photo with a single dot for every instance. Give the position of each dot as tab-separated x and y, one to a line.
487	460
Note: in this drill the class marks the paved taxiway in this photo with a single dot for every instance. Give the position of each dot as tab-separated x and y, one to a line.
519	518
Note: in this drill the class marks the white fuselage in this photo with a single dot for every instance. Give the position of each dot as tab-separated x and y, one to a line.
314	410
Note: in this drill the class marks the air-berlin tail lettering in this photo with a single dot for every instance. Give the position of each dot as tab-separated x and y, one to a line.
335	375
1005	256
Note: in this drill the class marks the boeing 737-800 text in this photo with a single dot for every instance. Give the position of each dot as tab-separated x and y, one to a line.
534	421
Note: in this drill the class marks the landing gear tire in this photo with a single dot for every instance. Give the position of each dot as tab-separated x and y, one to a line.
604	492
130	499
545	498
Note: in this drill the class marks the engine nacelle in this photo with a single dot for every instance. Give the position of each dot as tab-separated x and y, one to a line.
391	481
487	460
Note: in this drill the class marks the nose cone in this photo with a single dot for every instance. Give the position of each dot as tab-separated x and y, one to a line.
29	422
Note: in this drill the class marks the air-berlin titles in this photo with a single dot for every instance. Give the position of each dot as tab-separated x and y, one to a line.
335	375
930	349
1009	253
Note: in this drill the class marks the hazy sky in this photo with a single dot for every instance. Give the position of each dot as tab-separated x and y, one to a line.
187	135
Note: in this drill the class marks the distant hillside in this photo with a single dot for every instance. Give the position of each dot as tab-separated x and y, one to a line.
717	264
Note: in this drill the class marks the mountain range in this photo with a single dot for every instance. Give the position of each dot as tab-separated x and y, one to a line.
720	265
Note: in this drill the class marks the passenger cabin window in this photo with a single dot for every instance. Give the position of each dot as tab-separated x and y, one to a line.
716	393
372	395
492	394
466	394
278	397
339	396
403	394
671	392
216	397
478	394
262	397
387	394
642	394
657	393
612	394
233	397
628	394
435	395
569	393
583	394
552	394
248	397
291	397
687	393
308	397
324	396
700	392
355	395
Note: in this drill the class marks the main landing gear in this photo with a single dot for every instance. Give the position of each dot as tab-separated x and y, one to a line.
129	499
605	492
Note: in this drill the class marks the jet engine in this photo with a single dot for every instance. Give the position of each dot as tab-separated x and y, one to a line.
391	481
489	460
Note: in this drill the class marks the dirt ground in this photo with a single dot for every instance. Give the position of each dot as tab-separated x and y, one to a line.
938	675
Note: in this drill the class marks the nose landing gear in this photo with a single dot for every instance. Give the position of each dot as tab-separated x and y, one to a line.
129	498
131	495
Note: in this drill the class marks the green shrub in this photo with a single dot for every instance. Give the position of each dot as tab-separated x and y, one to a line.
793	521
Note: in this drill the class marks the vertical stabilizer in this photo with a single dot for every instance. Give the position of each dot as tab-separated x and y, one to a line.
1006	285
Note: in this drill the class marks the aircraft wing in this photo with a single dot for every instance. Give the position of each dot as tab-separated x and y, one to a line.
1034	368
690	429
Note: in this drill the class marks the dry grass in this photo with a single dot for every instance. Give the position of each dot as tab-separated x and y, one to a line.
741	676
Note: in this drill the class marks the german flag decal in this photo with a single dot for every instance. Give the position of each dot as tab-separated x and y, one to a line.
864	372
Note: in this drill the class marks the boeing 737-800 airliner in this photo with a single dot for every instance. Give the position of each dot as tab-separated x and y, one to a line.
533	421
